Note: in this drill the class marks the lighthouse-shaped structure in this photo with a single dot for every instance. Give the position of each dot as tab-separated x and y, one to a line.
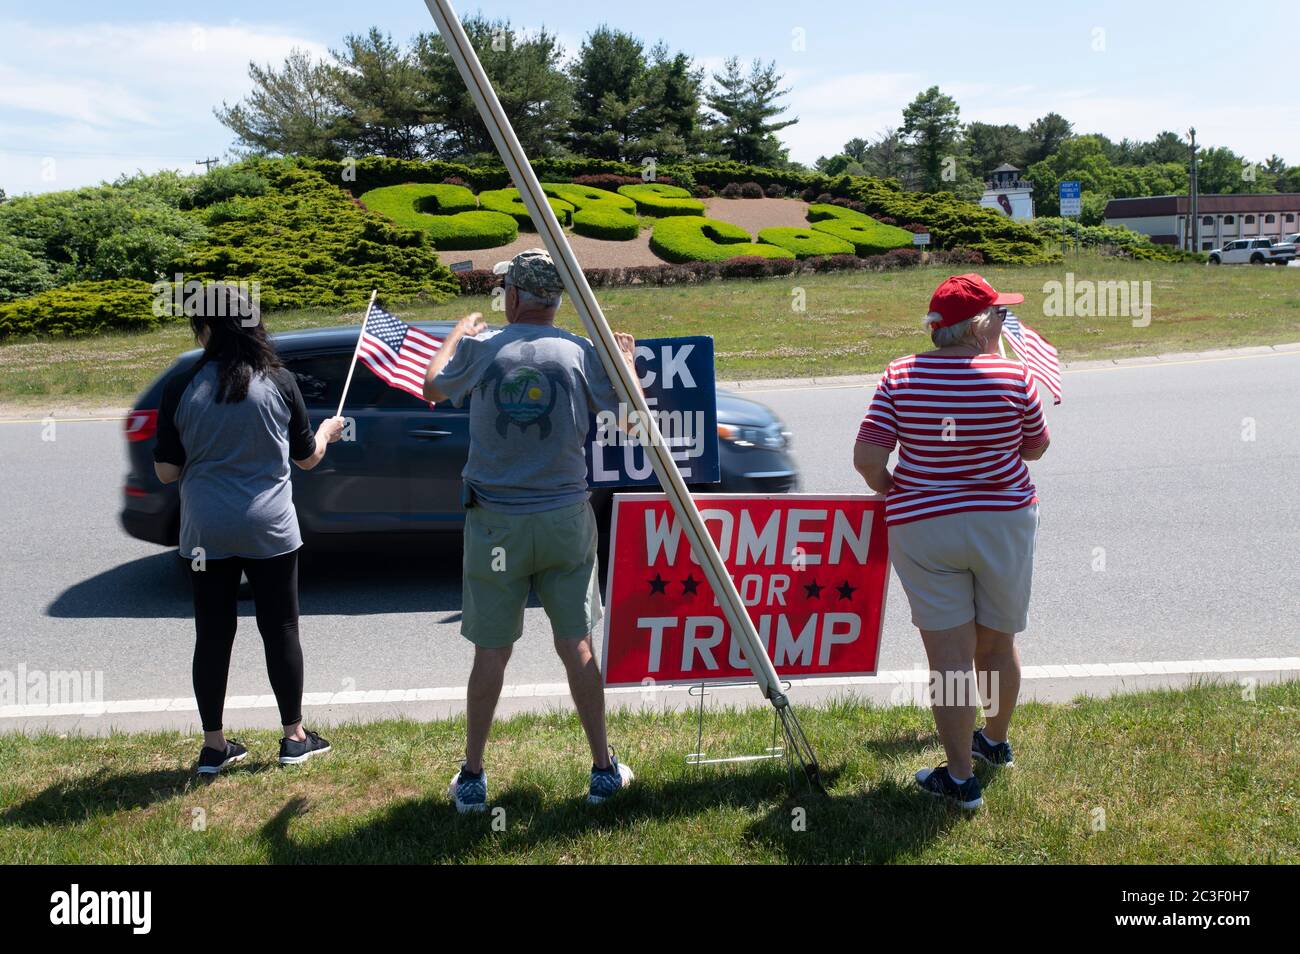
1009	194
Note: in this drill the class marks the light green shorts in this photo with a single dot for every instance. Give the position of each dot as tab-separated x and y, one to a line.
507	554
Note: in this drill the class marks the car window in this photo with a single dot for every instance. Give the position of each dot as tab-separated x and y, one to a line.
320	379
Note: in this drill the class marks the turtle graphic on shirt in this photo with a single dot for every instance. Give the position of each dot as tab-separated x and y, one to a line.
526	394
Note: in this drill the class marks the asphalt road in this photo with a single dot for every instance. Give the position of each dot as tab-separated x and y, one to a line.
1148	470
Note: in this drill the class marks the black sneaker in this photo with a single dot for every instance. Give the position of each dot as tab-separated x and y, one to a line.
293	752
212	761
937	781
994	753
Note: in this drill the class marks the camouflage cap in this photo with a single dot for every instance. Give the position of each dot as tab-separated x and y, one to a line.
532	270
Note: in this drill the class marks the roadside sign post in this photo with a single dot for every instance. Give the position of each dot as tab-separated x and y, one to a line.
1070	197
922	241
584	301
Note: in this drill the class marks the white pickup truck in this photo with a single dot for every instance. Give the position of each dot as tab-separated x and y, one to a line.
1254	252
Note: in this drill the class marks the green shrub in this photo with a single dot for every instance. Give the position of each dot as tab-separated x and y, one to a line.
805	243
509	202
653	198
598	213
582	197
308	244
865	234
469	230
603	222
694	238
411	203
82	308
98	233
448	214
825	211
221	183
21	272
1113	239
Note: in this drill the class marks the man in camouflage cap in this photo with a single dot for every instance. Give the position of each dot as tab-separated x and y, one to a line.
533	272
528	519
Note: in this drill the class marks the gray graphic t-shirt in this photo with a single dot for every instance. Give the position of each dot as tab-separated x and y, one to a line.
236	498
534	389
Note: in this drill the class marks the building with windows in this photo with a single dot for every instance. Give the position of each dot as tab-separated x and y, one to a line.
1009	194
1223	218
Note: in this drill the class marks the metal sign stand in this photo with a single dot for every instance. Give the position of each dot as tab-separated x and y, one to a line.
593	319
772	752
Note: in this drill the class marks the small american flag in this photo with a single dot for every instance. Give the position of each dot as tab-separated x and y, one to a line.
1036	354
397	352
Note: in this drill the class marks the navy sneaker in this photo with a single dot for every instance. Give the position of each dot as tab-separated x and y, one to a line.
212	761
469	792
608	782
293	752
994	753
937	781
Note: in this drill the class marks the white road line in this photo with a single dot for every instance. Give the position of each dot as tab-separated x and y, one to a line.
550	690
1153	361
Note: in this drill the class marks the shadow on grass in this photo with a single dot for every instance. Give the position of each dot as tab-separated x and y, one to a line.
887	822
103	793
877	825
898	746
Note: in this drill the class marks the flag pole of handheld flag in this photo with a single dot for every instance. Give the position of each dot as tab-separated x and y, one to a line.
355	351
584	301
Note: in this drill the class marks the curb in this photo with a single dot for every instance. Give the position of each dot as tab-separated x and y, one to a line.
18	414
869	380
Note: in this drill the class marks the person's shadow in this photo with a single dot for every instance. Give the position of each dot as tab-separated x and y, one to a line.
105	793
881	822
884	822
329	583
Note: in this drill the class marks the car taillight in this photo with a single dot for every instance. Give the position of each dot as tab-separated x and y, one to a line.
141	425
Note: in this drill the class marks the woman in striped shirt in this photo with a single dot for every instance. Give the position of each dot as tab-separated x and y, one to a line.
962	516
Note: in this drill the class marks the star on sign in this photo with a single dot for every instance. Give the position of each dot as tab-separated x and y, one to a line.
846	591
690	585
658	585
813	590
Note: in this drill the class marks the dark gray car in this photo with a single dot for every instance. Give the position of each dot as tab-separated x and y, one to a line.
400	479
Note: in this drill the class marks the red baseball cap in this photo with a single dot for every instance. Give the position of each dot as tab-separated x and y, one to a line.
964	296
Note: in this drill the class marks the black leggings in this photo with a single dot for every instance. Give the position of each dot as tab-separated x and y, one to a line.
216	614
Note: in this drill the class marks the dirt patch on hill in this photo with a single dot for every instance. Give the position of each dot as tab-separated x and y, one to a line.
754	214
750	214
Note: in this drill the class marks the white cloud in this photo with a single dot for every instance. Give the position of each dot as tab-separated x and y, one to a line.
107	98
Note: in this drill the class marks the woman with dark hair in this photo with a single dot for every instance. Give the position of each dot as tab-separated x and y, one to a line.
227	430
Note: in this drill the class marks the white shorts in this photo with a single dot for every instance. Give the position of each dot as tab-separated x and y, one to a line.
960	567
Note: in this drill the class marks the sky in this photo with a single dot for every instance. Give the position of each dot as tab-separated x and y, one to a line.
89	91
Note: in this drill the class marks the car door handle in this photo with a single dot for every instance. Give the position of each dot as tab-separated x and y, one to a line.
428	433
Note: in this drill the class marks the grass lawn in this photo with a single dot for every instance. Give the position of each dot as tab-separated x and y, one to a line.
853	323
1201	775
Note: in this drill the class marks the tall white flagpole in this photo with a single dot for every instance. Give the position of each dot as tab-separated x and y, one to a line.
355	351
584	301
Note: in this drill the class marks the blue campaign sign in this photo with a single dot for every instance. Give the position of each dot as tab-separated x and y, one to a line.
1069	189
677	375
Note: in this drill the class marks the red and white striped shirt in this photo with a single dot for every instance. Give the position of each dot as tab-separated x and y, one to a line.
959	422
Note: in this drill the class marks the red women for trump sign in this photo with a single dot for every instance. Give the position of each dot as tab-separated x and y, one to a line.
812	570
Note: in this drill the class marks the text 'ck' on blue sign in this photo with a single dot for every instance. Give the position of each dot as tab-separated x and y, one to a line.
677	377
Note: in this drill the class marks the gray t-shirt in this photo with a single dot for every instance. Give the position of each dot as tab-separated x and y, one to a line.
236	497
535	389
